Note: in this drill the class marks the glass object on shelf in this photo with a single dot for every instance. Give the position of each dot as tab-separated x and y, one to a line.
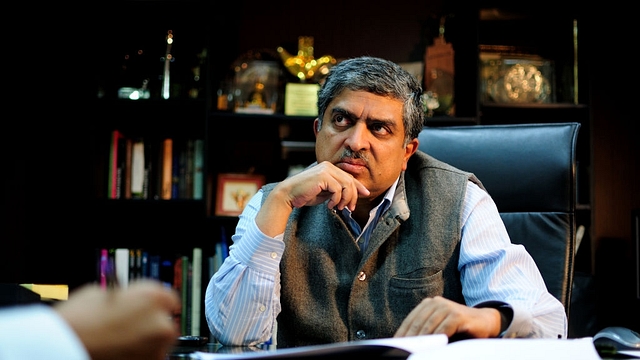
439	73
430	102
256	85
516	79
224	96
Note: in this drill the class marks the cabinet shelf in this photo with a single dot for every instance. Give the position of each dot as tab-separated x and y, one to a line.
276	117
553	106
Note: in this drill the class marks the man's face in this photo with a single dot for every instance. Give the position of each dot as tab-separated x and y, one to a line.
363	134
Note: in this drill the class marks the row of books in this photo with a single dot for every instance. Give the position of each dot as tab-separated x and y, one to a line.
143	168
188	274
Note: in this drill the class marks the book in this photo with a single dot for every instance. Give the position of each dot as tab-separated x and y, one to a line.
151	166
135	264
122	266
121	163
115	156
423	347
186	296
103	267
198	169
166	173
154	266
128	167
145	265
189	162
176	166
137	169
180	281
196	290
187	302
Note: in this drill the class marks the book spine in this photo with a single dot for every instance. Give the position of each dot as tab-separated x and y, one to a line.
145	269
154	267
128	166
198	169
167	169
137	169
187	304
180	176
114	154
104	267
121	158
196	290
184	293
179	285
188	171
122	267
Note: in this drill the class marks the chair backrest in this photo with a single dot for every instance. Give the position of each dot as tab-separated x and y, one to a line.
530	172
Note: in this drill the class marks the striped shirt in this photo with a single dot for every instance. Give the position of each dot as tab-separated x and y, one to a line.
242	299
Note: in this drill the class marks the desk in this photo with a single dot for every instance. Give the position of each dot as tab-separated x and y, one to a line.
185	352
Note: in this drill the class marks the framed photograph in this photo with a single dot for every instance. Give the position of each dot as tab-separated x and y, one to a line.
234	192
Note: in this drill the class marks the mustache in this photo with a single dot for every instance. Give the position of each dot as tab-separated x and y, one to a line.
350	154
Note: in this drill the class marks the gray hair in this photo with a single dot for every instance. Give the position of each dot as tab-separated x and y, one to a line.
380	77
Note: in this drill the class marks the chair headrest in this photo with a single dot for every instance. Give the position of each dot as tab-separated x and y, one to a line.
522	166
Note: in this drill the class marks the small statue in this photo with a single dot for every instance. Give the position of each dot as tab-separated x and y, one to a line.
257	97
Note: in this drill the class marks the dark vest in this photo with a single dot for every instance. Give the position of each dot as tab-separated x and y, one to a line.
332	293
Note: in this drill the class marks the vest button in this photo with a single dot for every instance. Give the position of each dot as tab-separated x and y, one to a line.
362	276
361	335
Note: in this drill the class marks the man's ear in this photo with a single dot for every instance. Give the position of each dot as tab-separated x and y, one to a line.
410	149
316	126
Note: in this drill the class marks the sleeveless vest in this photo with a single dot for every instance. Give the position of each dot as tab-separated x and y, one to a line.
332	293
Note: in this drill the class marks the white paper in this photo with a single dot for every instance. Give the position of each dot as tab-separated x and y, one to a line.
509	349
635	353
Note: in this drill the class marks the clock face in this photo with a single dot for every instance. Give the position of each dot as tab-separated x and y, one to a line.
525	83
517	83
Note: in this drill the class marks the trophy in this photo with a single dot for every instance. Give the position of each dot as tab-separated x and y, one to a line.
304	66
300	98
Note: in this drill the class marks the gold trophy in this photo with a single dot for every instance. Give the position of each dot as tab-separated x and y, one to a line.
304	66
300	98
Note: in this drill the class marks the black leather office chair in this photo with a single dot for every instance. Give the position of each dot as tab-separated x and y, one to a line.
530	172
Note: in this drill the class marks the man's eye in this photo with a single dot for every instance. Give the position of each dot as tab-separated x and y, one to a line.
379	129
340	120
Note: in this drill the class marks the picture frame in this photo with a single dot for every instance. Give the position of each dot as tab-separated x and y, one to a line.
234	192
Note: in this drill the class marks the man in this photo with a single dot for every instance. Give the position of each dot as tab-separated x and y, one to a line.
376	239
133	323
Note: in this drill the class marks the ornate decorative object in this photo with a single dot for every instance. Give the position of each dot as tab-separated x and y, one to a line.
303	65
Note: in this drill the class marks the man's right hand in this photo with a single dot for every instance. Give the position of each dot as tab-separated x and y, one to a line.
310	187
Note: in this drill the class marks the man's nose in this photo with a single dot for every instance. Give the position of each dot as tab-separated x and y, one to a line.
357	138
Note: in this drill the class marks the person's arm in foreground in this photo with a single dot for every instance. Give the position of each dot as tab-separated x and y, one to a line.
131	323
492	272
